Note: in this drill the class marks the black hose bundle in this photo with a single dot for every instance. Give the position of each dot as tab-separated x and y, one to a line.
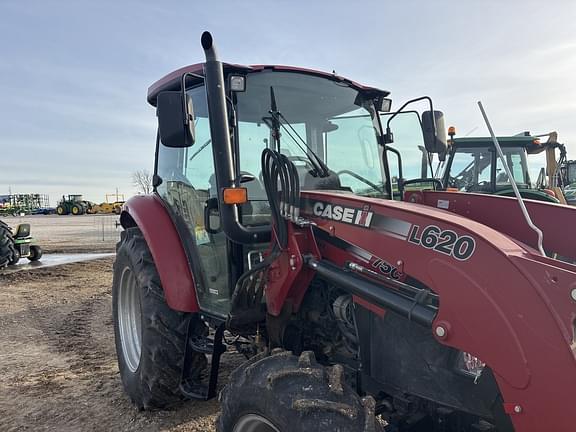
282	186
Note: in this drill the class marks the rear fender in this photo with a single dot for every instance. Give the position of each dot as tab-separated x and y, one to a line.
148	213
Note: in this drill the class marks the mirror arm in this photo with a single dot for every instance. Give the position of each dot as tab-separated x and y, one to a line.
400	174
389	138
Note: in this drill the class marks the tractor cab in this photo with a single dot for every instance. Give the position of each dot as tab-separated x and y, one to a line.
338	135
474	166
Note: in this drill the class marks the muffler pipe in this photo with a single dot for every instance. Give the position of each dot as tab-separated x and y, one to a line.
220	133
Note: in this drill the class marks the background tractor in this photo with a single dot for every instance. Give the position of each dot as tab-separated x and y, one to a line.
273	230
74	205
473	166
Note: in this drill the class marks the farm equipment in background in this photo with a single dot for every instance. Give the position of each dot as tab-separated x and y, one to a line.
358	312
23	245
110	206
74	205
14	246
473	166
24	204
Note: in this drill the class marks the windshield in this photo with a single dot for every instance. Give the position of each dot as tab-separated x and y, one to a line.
470	169
315	116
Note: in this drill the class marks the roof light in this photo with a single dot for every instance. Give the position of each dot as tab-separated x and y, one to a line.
237	83
451	130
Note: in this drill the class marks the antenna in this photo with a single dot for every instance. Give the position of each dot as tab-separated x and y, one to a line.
513	182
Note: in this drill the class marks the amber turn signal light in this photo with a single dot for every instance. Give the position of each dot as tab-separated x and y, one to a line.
235	195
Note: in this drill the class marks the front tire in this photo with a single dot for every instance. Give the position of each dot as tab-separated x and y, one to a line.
35	253
150	336
284	393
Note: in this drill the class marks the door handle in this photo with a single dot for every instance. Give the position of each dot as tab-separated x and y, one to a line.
211	214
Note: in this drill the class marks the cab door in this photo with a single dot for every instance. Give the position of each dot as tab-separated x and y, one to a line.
188	182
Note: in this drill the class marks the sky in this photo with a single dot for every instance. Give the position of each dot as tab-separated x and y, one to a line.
74	74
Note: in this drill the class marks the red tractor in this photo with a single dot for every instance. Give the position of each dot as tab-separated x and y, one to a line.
275	228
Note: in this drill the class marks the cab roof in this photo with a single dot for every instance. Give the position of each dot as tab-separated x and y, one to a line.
172	81
508	141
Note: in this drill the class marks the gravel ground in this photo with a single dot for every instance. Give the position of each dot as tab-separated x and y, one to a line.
58	368
86	233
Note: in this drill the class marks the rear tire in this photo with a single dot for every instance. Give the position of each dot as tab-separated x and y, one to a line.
7	248
150	336
61	210
284	393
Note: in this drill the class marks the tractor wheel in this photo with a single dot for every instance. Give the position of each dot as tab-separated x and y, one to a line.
15	257
35	253
77	210
7	248
61	210
283	393
150	336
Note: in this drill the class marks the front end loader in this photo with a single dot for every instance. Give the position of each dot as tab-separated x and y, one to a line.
281	227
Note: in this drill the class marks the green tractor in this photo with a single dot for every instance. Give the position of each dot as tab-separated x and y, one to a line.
473	166
23	247
74	205
18	245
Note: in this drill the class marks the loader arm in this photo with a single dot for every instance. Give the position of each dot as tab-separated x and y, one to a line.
503	214
498	299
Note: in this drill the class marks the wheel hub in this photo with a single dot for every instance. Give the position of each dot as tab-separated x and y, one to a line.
254	423
129	319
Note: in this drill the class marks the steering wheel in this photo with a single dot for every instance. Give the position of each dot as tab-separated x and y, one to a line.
482	186
359	177
307	164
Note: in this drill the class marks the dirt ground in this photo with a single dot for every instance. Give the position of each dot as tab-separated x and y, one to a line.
58	368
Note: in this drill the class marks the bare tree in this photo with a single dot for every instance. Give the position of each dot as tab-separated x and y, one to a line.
142	181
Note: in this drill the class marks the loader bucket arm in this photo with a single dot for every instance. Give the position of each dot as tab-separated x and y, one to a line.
504	215
498	299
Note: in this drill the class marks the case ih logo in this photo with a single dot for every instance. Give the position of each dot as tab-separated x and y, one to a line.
349	215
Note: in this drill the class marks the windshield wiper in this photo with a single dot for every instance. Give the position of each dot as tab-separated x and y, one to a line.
280	122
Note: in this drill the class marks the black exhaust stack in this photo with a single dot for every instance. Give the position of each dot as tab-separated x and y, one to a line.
223	162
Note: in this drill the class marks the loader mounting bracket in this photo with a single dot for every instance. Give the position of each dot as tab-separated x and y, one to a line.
215	347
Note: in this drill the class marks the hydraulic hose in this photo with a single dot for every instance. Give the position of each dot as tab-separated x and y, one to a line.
282	186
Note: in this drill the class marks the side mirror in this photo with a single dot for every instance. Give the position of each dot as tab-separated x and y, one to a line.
175	119
434	132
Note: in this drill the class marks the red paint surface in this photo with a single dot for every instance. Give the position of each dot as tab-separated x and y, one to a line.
173	80
506	304
167	251
366	305
288	277
556	221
